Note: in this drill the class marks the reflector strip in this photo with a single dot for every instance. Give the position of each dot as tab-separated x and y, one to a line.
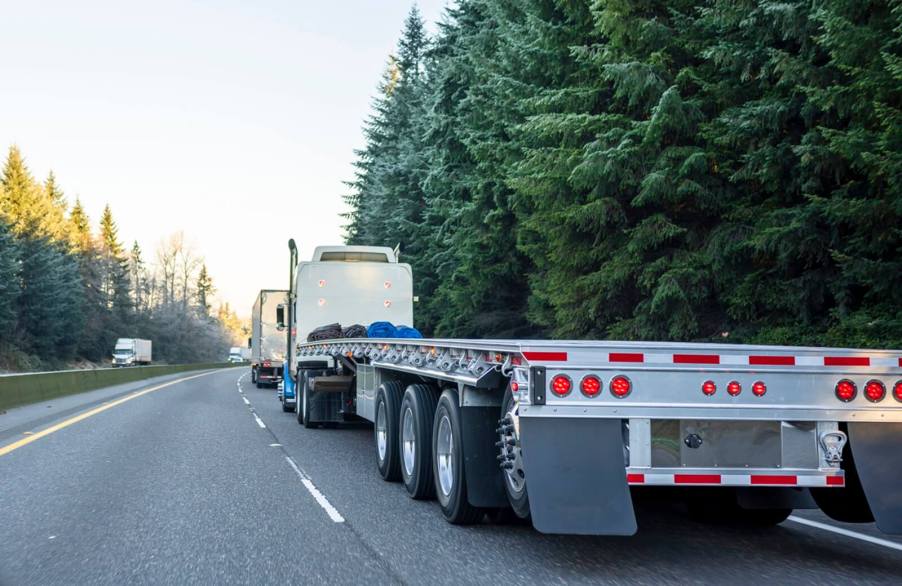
772	360
625	357
696	478
736	479
847	361
546	356
696	359
762	479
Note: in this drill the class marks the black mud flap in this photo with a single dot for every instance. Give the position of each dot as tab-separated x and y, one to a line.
576	477
485	485
877	448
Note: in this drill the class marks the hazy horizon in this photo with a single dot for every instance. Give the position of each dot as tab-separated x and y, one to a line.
235	124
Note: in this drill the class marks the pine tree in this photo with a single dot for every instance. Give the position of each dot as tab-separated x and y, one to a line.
9	280
204	291
117	285
56	209
137	275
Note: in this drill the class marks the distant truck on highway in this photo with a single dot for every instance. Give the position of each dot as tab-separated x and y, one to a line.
268	338
132	352
236	354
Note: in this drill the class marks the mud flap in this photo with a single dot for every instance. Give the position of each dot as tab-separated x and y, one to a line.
485	485
576	477
878	460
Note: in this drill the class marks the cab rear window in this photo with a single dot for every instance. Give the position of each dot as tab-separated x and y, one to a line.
351	256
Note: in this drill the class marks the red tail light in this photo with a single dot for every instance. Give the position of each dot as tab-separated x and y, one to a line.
590	386
709	388
846	390
875	391
561	385
621	386
897	390
734	388
759	388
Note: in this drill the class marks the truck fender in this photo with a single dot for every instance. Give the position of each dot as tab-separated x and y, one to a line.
485	485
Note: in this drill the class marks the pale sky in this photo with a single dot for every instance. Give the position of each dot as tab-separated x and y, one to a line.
234	121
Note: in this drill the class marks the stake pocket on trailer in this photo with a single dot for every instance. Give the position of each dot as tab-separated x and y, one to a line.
565	431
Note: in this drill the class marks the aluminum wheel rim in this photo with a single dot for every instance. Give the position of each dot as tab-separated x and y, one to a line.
444	448
408	441
381	434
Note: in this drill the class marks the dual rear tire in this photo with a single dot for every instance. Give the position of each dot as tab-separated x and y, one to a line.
419	441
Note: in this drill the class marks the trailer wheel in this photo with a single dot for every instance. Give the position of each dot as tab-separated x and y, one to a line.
448	462
514	474
253	375
417	413
302	403
385	430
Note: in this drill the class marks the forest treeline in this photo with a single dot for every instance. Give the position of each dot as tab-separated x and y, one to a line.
678	170
67	293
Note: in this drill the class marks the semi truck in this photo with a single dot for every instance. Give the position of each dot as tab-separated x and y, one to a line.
567	433
236	354
132	352
268	338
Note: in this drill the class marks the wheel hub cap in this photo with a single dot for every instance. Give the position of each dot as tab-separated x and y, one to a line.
408	441
444	448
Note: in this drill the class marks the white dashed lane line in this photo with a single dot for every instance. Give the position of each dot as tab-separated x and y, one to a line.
319	497
845	532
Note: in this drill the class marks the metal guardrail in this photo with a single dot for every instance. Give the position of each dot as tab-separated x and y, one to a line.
22	389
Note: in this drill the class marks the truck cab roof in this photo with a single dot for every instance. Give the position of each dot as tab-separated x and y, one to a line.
354	254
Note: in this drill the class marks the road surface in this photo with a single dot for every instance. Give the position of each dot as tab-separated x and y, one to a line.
206	481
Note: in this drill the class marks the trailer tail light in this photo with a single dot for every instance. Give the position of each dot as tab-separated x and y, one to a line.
590	386
515	386
874	391
846	390
734	388
709	388
897	390
621	386
759	388
561	385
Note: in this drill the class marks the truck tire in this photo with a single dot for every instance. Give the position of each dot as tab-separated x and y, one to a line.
253	375
415	440
302	404
385	430
515	476
448	462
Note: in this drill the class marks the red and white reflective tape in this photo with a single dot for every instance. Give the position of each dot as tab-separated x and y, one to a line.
724	359
653	479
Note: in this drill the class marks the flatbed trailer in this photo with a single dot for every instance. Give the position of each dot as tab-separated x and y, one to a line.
565	432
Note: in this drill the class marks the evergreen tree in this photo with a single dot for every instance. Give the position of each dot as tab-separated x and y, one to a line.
137	276
9	280
204	291
117	285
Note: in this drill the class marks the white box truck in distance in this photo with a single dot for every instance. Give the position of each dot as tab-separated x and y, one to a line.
269	341
131	352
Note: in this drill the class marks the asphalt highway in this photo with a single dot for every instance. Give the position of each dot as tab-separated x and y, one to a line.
200	478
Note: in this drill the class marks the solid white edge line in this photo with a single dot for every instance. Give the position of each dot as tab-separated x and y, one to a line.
846	532
317	495
260	422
